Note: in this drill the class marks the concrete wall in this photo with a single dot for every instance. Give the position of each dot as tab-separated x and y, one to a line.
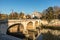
3	26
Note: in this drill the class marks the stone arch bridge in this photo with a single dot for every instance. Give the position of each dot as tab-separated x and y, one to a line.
26	24
21	25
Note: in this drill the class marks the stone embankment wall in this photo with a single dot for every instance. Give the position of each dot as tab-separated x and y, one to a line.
51	31
3	26
54	32
48	34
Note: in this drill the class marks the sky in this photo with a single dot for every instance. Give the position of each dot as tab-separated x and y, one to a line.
26	6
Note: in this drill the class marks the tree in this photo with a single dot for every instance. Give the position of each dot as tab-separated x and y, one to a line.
21	15
49	14
13	15
59	16
28	16
56	11
10	16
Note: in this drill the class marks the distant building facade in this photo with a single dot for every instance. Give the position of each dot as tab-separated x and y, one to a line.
37	14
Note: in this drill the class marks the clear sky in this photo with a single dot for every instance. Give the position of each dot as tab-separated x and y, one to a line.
27	6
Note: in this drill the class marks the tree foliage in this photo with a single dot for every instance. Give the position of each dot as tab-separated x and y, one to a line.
13	15
28	16
51	13
21	15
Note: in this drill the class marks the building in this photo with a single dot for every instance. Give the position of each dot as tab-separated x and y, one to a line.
37	14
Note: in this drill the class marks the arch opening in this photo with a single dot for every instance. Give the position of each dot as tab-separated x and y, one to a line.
29	26
21	27
16	30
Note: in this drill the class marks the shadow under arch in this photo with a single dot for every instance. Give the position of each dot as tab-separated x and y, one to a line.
15	30
29	25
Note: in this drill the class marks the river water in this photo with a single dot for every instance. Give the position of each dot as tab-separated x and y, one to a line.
3	28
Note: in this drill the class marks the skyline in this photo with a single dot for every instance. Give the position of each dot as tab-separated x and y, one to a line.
27	6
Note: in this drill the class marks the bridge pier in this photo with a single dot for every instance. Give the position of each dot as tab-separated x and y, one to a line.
34	25
34	36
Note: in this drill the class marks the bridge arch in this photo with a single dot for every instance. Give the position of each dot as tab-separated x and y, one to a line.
16	30
18	27
29	25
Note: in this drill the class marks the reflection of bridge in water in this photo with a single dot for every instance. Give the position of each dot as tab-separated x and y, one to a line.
28	27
